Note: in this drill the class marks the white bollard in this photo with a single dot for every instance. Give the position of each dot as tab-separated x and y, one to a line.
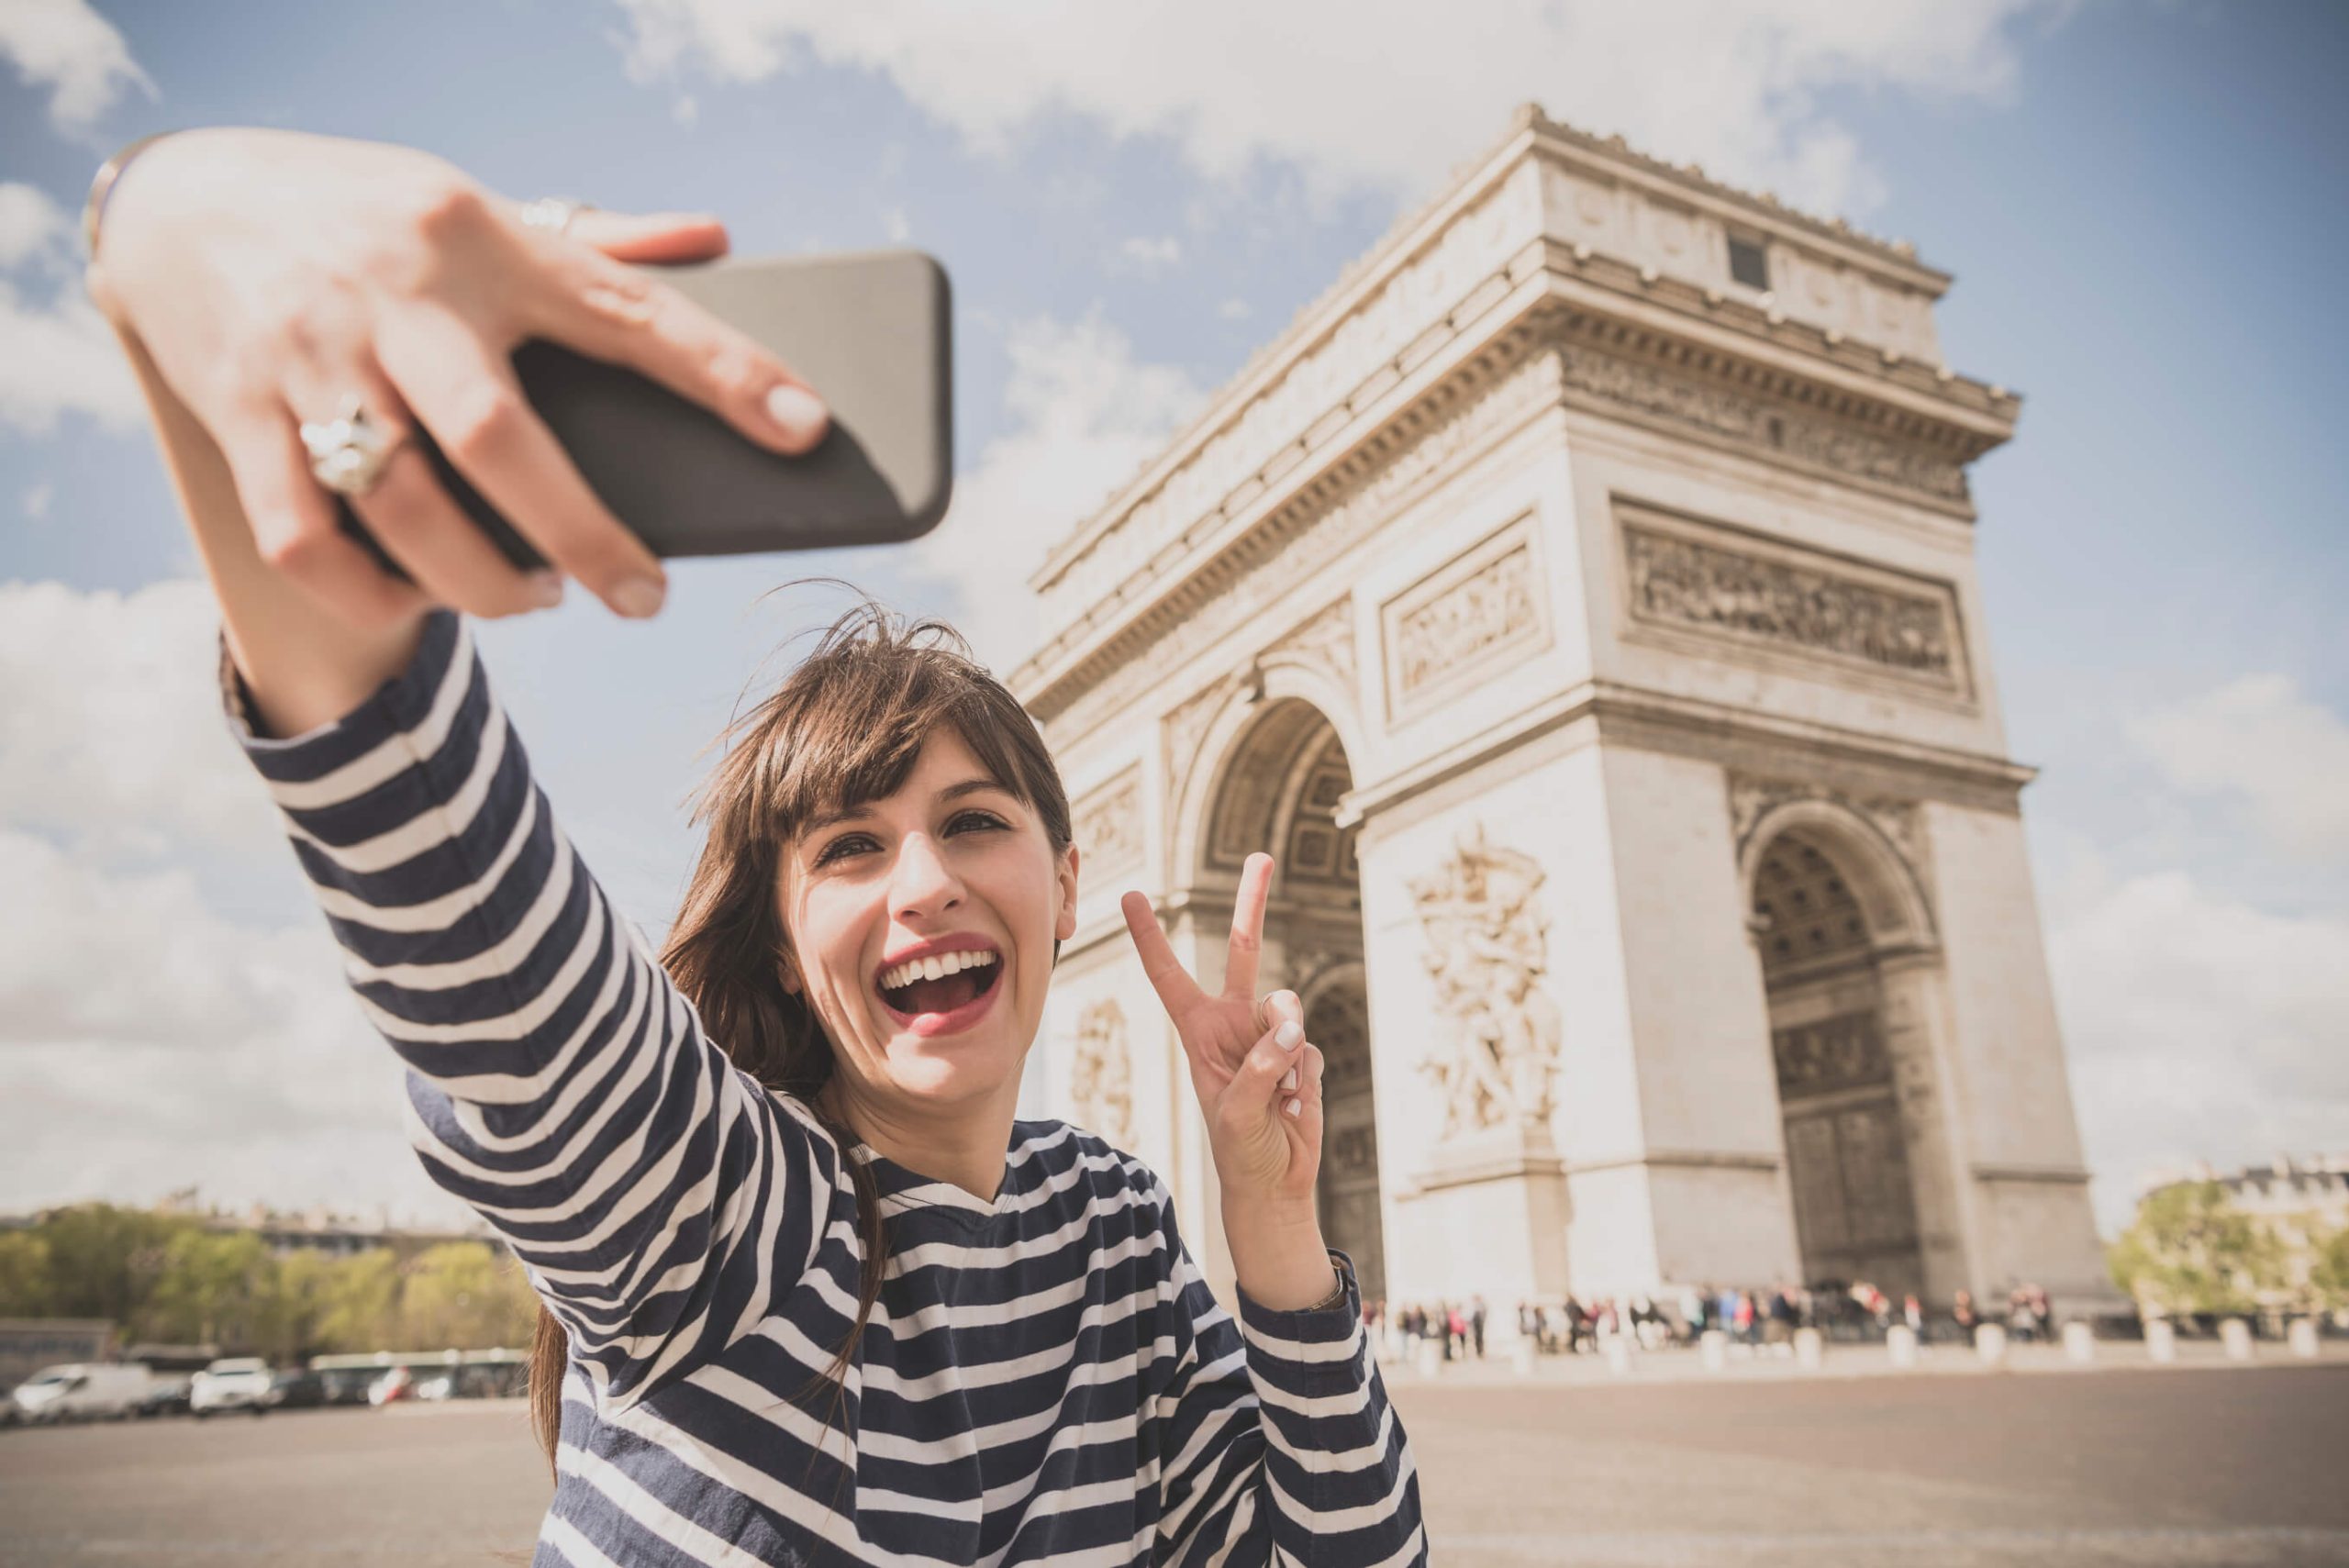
1431	1357
1901	1341
1521	1355
2236	1334
1990	1343
2161	1341
1712	1350
2079	1343
1809	1349
1619	1355
2300	1338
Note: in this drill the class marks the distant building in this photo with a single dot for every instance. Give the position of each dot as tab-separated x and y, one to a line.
320	1230
2302	1203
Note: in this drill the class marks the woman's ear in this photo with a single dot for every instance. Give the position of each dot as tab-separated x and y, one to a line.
1064	924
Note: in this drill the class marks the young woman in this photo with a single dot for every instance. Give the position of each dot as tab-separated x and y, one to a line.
815	1295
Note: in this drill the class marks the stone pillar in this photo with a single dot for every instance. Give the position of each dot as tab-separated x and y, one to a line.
1916	1035
2161	1341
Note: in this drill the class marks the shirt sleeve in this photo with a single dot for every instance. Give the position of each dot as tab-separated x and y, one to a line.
558	1081
1279	1443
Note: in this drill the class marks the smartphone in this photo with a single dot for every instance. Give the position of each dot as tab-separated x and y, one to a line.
872	333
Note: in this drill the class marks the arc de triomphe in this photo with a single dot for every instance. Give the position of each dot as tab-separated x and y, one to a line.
1579	599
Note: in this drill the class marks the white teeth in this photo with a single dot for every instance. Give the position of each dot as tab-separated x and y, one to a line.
933	968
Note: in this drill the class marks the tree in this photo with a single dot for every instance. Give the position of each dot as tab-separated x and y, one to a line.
359	1302
25	1274
465	1296
2328	1275
2190	1250
216	1288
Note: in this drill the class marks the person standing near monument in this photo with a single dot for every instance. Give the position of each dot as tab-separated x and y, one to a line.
812	1294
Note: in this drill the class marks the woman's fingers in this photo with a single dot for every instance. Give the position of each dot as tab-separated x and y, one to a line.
294	522
663	238
1248	926
618	312
410	515
1274	1007
1178	992
468	397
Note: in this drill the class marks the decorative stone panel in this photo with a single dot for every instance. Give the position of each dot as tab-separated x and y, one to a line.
1723	585
1479	613
1108	824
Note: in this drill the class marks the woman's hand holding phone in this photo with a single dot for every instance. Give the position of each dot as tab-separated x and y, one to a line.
266	275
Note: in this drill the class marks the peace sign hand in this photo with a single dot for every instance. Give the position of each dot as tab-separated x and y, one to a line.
1258	1080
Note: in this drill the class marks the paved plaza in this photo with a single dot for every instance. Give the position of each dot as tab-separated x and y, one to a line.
2182	1466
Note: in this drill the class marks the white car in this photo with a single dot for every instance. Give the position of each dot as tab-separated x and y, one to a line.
82	1391
233	1383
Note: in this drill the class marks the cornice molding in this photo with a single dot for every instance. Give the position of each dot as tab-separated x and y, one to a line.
1736	739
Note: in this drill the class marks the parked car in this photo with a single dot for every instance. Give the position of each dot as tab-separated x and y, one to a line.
297	1390
232	1382
167	1394
397	1385
347	1385
82	1391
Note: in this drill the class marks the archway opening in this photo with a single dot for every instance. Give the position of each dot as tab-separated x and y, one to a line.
1847	1157
1279	790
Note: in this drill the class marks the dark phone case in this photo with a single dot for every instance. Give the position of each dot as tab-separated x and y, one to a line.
871	333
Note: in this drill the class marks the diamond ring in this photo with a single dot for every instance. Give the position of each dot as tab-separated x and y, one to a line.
347	453
553	214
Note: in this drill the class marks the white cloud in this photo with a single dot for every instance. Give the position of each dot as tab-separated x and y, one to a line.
31	226
2258	741
1086	417
1233	309
897	225
37	500
66	47
2196	1026
111	738
1143	254
1378	91
57	355
146	1043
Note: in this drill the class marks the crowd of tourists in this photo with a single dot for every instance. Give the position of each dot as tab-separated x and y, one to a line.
1769	1317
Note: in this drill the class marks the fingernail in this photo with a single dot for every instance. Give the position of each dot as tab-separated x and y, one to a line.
797	412
1289	1079
544	589
1288	1034
1295	1107
639	597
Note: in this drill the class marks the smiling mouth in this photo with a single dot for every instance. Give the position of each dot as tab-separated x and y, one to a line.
947	994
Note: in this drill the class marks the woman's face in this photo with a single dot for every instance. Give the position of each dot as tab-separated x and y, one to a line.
922	930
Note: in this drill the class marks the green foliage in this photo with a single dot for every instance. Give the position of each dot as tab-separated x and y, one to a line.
25	1276
2328	1275
168	1278
2191	1250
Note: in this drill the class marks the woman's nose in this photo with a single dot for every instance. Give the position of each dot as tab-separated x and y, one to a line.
922	883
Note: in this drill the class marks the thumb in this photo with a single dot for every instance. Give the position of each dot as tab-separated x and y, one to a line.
656	236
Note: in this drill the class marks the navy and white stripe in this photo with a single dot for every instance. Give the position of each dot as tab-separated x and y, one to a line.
1045	1376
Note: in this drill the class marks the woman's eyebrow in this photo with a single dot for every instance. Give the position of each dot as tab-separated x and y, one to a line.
850	814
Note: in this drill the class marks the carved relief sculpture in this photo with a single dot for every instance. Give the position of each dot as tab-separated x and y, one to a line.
1486	950
1482	611
1677	579
1101	1082
1108	824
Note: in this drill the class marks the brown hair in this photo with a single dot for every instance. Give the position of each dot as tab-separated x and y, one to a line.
844	728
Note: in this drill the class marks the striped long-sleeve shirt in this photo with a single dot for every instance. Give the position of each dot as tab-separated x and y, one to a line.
1045	1376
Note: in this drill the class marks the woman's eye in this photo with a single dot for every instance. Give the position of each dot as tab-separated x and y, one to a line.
850	843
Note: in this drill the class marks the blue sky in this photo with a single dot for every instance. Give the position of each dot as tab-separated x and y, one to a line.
2144	207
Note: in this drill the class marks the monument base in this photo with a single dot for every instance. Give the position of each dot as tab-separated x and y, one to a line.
1486	1216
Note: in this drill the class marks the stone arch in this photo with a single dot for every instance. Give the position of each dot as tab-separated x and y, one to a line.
1212	736
1832	902
1271	768
1887	888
